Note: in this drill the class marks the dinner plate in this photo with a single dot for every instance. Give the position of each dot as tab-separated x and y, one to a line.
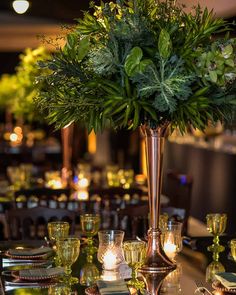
16	274
94	291
27	257
219	287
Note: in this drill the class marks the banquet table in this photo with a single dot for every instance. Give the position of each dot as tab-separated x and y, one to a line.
192	263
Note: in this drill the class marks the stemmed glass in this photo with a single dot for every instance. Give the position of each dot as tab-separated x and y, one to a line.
68	252
216	225
233	248
90	224
56	231
134	253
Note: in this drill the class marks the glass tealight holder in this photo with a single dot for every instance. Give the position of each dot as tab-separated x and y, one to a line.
171	239
110	253
233	249
216	225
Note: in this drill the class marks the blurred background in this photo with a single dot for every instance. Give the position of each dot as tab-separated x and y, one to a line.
206	161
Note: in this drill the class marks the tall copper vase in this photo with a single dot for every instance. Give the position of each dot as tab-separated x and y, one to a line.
157	264
67	141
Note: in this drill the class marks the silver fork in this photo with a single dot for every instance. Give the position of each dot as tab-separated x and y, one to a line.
201	288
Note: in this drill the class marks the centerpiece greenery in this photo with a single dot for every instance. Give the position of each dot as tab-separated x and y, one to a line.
133	62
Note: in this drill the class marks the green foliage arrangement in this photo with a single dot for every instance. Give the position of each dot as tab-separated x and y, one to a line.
133	62
17	91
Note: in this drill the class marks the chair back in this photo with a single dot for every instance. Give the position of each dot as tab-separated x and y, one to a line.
112	199
53	198
32	223
134	220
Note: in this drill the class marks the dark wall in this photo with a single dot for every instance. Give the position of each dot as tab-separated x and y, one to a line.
214	179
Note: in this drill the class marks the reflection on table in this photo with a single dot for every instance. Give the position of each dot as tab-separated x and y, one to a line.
194	268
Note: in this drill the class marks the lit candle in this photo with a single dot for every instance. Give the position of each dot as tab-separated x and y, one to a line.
55	184
83	183
82	195
170	249
109	260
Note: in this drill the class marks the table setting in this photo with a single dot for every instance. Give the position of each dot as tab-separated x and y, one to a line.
110	263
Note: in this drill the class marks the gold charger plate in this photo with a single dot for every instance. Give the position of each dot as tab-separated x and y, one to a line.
219	287
94	291
27	257
16	274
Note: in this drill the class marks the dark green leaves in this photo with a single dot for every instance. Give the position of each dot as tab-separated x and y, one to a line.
129	62
83	48
134	63
164	44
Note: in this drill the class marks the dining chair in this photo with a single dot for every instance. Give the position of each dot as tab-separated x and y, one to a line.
134	220
32	223
112	199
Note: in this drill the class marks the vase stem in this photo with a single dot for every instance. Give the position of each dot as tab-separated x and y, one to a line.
154	155
156	262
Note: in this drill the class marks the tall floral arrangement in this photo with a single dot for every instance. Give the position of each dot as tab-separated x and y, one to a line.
133	62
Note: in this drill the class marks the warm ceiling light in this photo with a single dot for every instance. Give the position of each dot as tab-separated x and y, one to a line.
20	6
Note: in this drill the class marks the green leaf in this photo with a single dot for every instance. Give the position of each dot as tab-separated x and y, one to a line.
227	51
144	64
164	44
83	49
213	76
71	40
229	62
132	61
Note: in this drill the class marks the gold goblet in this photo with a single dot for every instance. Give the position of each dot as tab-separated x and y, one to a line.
233	248
134	253
90	224
56	231
216	225
68	252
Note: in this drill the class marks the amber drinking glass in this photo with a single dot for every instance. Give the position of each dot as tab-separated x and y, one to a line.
56	231
90	224
68	252
134	253
216	225
233	248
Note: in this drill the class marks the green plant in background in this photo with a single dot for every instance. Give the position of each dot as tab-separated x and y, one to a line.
27	88
8	89
133	62
17	91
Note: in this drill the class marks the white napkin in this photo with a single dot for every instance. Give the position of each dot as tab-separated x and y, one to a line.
113	287
227	279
